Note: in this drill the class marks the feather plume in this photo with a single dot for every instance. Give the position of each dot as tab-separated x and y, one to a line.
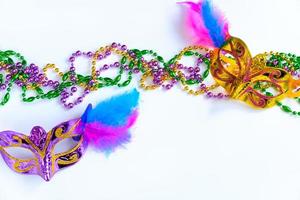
206	24
107	125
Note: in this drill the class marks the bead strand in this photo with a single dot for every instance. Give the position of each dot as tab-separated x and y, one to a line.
154	71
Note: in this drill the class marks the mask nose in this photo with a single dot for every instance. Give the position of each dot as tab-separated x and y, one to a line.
46	168
47	177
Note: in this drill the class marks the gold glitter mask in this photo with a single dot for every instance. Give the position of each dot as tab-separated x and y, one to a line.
248	79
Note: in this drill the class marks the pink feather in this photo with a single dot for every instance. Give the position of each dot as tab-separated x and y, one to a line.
108	138
195	28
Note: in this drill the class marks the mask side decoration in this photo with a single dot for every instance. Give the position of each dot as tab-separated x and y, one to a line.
45	162
106	127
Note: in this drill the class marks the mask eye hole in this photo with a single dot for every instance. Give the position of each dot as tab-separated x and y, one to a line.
20	153
229	62
65	145
227	54
266	88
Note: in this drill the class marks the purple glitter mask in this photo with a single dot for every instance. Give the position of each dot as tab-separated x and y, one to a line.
45	162
106	127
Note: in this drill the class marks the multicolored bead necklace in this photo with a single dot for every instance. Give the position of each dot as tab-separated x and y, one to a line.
155	72
15	71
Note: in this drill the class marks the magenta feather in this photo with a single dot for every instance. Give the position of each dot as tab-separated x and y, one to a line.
108	138
195	27
106	127
206	25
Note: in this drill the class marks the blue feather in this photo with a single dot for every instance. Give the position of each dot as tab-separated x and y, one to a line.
84	117
214	23
114	111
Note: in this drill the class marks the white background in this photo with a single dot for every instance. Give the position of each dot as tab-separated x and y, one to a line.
183	147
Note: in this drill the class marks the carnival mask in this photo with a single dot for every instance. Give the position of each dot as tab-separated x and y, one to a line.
106	127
